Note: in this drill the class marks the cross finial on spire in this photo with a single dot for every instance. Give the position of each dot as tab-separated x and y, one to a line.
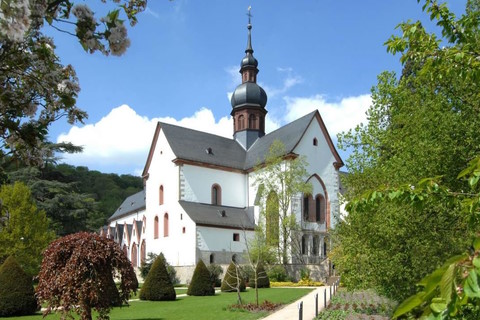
249	14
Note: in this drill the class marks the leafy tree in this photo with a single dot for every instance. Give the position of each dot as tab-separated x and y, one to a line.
423	124
23	228
36	89
158	285
280	178
76	272
17	297
201	284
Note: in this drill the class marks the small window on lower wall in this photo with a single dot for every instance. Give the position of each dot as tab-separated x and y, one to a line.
236	237
183	230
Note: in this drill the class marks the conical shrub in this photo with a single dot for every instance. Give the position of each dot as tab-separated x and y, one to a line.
17	297
201	285
262	278
232	279
157	285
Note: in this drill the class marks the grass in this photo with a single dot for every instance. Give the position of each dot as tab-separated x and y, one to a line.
200	308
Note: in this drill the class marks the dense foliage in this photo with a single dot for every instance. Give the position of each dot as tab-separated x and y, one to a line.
77	270
17	297
233	280
23	227
75	198
35	88
201	285
215	273
423	124
158	285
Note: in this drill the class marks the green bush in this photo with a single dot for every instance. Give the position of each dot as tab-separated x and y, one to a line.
233	278
262	278
16	290
277	274
201	284
157	285
215	272
147	265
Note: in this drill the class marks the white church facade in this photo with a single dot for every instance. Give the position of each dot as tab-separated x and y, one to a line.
199	200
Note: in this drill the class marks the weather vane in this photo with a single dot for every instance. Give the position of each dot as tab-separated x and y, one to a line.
249	14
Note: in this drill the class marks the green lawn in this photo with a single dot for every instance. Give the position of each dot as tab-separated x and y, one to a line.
200	308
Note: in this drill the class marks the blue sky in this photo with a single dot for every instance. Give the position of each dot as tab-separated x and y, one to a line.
183	63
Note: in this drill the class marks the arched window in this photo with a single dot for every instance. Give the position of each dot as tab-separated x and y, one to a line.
165	225
272	219
315	142
308	208
234	258
134	255
320	208
143	252
125	250
212	258
241	122
155	228
216	195
325	249
304	245
160	195
252	122
315	245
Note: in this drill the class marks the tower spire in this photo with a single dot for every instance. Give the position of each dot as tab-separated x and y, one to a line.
249	27
249	99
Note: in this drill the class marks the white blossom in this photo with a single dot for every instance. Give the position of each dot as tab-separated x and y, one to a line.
83	12
14	19
118	40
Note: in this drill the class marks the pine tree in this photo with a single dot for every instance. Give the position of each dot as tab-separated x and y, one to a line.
16	290
201	285
157	285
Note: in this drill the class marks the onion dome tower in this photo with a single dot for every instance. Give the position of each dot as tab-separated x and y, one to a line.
248	99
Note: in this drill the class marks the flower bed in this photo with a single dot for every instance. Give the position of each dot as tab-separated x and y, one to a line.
301	283
364	304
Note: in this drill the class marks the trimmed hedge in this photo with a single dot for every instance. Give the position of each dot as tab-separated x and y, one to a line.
157	285
231	279
263	281
17	296
201	284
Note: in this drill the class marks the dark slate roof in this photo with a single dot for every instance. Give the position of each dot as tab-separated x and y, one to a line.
139	226
207	214
129	231
188	144
119	232
289	134
131	204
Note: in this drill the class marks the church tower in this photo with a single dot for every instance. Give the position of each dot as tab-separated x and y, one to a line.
248	100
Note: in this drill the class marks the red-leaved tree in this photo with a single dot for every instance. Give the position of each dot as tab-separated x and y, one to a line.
77	274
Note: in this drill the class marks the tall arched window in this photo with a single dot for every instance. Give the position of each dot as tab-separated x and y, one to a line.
125	250
160	195
212	258
315	245
241	122
272	219
252	122
315	142
320	208
155	228
308	208
143	252
165	225
134	255
304	245
216	195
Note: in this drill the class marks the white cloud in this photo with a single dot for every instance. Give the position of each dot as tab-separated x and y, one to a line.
122	138
338	116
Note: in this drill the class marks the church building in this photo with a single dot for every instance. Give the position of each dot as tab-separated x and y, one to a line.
199	201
